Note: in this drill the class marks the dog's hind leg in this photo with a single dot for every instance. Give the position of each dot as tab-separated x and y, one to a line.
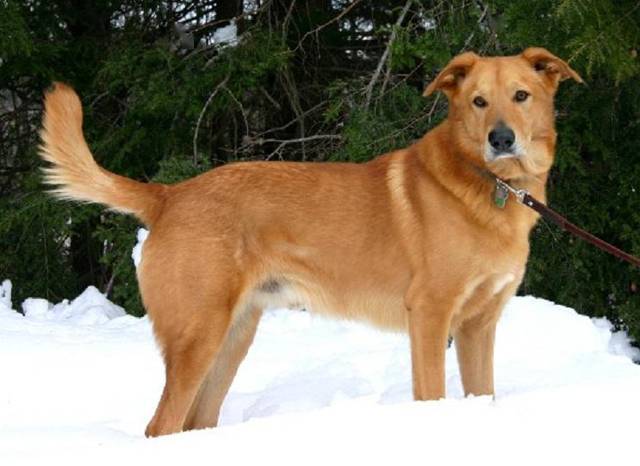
206	407
191	336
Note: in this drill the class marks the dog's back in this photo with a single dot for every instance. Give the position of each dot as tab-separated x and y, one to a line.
413	239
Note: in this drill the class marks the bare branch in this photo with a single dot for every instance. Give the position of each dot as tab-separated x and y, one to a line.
304	139
289	86
284	142
287	18
286	125
242	110
385	55
428	116
195	135
270	98
322	26
473	33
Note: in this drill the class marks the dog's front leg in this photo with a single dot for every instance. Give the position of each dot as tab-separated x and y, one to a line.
474	339
429	322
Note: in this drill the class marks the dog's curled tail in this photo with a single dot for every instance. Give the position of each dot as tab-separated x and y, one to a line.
73	170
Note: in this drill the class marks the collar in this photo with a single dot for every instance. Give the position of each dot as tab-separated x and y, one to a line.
502	188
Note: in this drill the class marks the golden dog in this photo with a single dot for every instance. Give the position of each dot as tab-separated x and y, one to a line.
413	239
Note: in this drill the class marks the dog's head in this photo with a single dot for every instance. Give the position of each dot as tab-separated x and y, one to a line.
501	109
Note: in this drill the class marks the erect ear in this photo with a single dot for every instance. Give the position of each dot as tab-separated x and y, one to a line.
553	68
450	77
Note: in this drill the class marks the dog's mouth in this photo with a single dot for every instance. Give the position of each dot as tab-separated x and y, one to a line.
505	163
503	154
492	154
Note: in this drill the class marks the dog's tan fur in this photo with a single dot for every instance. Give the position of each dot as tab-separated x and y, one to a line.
410	240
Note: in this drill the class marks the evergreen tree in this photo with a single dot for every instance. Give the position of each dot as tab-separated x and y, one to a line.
306	80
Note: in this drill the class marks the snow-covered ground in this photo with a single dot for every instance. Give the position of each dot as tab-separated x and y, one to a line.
79	381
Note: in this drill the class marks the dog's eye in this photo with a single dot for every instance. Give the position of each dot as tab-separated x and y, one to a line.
480	102
521	96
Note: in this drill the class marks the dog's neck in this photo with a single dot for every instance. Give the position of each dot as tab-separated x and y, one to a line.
475	185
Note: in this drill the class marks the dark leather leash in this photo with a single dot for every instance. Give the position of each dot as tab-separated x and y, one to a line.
502	193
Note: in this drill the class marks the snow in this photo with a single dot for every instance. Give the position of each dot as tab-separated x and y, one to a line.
5	295
136	253
90	308
80	380
227	35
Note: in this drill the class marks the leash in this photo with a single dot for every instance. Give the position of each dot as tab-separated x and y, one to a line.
503	189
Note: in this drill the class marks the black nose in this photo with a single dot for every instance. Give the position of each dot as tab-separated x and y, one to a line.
502	138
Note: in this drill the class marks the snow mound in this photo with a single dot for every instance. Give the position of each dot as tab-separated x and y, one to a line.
90	308
136	253
5	296
556	333
619	342
316	391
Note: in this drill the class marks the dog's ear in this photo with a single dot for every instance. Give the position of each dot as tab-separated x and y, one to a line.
450	77
553	68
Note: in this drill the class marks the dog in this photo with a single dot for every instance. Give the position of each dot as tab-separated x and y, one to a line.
413	240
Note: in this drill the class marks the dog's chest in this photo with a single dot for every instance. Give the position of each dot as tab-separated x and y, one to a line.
486	294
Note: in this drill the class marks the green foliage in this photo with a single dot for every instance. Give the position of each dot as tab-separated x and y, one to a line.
34	235
14	39
177	169
118	234
403	118
302	70
594	184
165	95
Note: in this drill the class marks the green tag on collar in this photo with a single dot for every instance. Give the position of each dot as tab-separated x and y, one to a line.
500	196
